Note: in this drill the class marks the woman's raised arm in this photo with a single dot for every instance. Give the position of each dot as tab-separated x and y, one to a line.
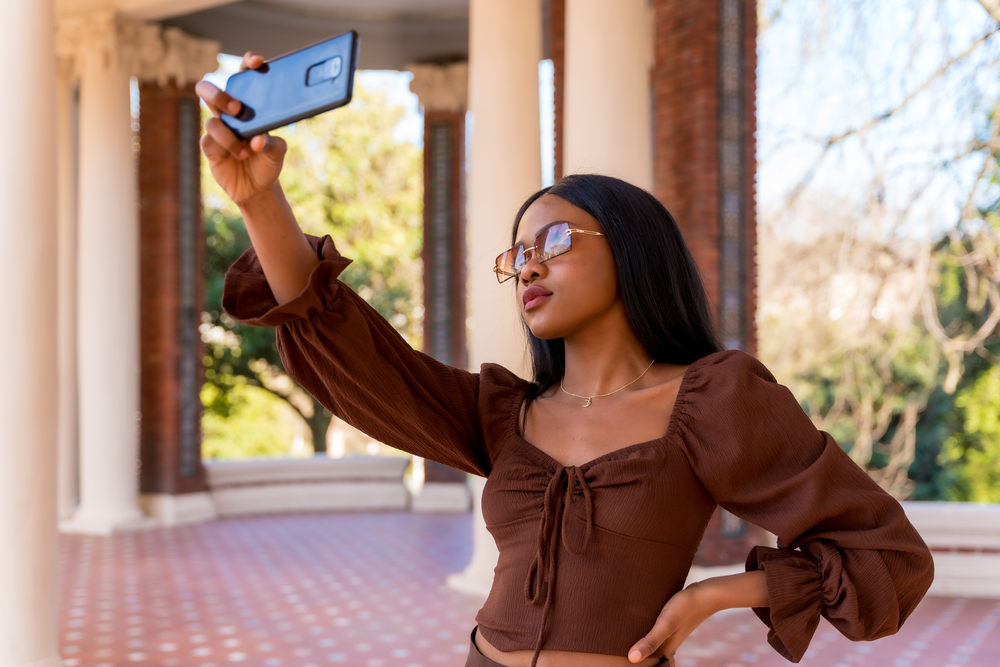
248	172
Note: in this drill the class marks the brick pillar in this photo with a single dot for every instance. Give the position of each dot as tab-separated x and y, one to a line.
442	89
704	163
556	40
172	287
444	236
444	251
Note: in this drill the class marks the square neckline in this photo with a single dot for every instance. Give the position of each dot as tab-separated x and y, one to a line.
615	453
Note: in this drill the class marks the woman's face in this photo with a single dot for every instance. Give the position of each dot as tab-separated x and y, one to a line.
566	294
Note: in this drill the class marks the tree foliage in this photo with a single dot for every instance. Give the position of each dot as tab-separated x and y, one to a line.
885	216
346	175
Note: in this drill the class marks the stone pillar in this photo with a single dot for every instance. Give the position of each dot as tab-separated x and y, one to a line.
477	577
171	242
505	166
28	565
443	93
66	420
606	122
505	43
102	49
704	83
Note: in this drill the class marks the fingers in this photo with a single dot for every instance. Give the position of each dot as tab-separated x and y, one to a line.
218	101
220	142
665	634
272	147
646	646
251	60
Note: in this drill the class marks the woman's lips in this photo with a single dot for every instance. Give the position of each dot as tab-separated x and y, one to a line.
534	296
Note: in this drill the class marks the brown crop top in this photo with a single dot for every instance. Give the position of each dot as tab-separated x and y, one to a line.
589	554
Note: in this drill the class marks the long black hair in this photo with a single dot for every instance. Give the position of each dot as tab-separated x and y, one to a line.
664	298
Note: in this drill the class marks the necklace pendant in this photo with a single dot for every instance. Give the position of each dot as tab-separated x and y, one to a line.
589	401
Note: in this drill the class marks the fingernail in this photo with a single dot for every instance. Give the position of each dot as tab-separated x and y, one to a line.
635	656
244	154
233	107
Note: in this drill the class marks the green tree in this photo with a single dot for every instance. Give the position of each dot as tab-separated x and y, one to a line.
347	176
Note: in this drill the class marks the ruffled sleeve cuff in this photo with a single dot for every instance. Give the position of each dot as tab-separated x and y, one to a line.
247	297
795	589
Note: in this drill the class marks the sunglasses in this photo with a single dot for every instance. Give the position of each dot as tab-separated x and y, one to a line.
554	240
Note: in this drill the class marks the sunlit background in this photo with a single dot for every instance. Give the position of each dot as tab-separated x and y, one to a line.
877	214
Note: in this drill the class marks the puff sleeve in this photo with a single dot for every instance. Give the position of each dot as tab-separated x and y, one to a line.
340	350
845	548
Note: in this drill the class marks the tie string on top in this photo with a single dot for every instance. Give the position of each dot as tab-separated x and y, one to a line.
553	527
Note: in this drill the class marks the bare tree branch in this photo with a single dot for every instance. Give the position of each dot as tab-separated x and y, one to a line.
993	7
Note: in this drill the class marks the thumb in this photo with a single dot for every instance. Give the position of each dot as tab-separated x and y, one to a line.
643	648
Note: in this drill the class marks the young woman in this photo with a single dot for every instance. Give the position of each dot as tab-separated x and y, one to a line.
603	472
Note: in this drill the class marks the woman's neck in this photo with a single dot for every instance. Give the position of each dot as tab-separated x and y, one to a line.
602	358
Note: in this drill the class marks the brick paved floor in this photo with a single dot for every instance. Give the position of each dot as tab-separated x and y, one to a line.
369	590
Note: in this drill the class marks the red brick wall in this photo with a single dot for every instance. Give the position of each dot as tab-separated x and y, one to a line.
686	128
456	253
159	201
750	167
557	46
686	170
685	85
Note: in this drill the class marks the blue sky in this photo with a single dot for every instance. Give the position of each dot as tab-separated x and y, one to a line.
829	66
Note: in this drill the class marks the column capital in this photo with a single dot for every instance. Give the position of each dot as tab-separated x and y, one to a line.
441	87
144	50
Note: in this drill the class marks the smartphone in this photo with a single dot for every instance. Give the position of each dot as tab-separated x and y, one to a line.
297	85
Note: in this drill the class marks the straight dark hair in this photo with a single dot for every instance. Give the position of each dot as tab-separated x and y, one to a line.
664	298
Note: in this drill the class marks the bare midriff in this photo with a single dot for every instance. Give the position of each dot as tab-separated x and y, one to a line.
558	658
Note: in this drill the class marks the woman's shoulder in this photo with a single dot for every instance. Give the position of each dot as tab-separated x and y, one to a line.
732	391
727	371
497	379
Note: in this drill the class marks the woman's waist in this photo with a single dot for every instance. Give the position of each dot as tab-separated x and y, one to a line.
549	658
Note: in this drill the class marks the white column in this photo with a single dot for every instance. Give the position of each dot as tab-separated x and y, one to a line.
607	117
108	282
66	142
28	622
505	46
477	577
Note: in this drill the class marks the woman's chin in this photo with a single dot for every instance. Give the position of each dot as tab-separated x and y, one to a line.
543	330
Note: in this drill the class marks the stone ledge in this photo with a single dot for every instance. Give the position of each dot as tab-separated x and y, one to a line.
964	538
222	474
442	497
178	510
367	483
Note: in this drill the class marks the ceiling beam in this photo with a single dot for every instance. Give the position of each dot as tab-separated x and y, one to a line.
147	10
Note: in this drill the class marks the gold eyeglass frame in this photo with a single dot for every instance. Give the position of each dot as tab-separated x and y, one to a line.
504	277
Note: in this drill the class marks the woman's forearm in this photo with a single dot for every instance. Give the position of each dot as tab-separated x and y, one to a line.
748	589
285	255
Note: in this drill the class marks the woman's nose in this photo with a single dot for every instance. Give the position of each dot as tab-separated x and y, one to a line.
532	268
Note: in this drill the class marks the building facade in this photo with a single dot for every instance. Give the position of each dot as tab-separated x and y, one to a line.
100	429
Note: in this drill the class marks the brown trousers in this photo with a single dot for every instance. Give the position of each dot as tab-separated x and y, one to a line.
477	659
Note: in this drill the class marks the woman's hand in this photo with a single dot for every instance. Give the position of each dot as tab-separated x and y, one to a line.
691	607
242	168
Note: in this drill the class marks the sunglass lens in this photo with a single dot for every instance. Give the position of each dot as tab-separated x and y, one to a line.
519	259
505	265
556	241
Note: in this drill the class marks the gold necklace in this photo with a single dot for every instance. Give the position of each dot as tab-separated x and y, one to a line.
590	399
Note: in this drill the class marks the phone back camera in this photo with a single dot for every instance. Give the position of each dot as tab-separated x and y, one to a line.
324	71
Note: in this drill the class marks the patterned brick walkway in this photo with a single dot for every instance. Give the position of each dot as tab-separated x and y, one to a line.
369	590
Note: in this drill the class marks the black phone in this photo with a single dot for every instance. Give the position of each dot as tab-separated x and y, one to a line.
297	85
